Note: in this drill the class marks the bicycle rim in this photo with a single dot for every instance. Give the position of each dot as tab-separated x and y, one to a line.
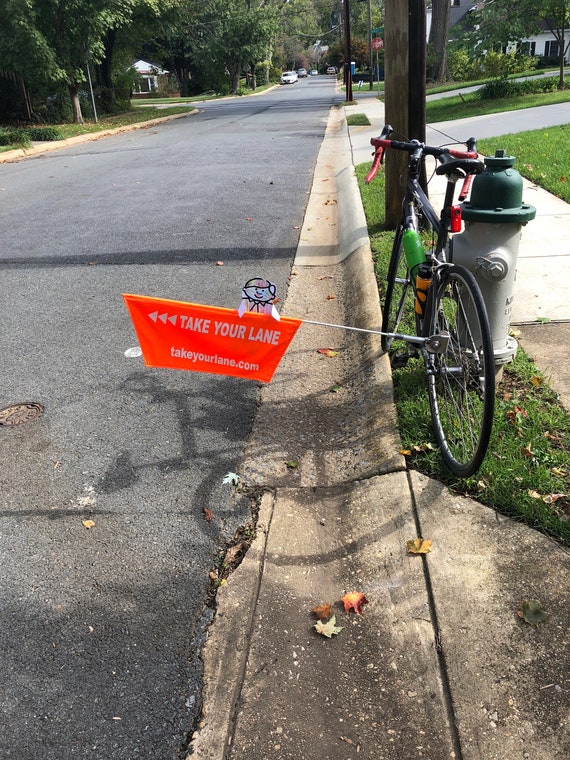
399	295
461	380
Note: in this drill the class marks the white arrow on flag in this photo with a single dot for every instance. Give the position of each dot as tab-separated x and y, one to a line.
163	317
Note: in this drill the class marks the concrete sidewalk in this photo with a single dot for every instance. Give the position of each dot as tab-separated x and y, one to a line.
439	665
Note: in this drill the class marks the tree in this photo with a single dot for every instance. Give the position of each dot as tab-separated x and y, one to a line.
235	35
504	22
438	39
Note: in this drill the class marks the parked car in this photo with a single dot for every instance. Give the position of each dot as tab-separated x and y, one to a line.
301	73
331	70
313	73
289	77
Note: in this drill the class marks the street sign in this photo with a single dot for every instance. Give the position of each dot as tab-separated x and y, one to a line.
377	32
377	43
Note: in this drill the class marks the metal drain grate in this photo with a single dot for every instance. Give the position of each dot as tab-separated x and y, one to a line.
18	414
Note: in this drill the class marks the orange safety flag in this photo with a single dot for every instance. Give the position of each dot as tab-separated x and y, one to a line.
190	336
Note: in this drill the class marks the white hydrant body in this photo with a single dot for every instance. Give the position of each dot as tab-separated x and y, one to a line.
489	245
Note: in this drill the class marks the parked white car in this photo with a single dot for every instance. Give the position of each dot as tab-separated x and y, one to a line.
289	77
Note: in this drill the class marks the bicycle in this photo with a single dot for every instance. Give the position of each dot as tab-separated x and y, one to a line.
452	329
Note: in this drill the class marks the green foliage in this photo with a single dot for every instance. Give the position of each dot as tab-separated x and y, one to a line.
526	473
16	137
44	134
508	88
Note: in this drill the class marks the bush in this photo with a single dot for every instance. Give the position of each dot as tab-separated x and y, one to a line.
14	136
508	88
45	134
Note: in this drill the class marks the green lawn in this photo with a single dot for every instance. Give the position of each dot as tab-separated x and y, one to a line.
526	473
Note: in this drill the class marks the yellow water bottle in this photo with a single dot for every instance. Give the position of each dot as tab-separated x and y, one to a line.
423	281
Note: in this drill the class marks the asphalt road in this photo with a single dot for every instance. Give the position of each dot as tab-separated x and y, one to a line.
100	627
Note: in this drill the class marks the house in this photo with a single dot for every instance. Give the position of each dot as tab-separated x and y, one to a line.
150	79
541	45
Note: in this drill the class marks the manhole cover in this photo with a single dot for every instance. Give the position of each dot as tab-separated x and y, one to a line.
17	414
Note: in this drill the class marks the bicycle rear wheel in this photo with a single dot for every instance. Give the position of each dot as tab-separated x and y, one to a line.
399	292
461	379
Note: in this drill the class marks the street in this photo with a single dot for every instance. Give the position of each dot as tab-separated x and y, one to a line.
105	549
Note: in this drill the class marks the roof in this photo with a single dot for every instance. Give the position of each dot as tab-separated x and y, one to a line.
144	67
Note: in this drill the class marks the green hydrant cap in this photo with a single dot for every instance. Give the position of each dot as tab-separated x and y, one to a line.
496	195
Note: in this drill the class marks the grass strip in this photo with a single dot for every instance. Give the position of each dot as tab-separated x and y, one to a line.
526	473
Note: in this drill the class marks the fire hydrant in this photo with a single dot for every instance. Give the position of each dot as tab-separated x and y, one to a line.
489	245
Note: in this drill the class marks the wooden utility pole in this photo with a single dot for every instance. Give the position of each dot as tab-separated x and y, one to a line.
404	82
347	52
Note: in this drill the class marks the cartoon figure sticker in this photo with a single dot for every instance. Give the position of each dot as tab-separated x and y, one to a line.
258	295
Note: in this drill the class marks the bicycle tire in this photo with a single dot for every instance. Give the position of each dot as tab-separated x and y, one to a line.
461	380
398	288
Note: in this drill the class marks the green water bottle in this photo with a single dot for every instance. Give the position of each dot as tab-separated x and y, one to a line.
413	250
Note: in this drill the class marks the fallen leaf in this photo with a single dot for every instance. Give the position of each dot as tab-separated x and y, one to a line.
537	381
249	219
88	524
232	478
527	452
405	452
419	545
219	263
534	494
208	514
552	498
330	352
554	438
330	297
292	464
354	600
531	612
336	388
328	629
322	611
325	277
233	552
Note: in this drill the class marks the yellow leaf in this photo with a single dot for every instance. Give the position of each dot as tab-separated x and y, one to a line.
88	524
534	494
419	545
405	452
328	629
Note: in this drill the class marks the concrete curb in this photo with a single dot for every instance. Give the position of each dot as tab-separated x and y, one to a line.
226	649
335	225
11	156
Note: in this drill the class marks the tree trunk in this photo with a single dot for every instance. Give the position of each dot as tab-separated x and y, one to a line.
438	34
561	55
75	104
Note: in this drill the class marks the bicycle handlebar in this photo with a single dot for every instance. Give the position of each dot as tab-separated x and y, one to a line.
382	143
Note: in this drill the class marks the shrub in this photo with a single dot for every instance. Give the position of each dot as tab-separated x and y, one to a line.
14	136
45	134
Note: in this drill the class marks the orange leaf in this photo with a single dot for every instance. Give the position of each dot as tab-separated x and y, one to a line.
208	514
322	611
419	545
527	452
330	352
88	524
354	600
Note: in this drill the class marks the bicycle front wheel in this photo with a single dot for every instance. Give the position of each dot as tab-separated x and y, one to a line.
461	379
399	292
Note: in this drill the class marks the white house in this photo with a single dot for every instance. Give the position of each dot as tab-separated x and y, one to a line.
149	77
543	44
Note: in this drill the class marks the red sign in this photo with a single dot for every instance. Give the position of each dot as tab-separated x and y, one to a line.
179	335
377	43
